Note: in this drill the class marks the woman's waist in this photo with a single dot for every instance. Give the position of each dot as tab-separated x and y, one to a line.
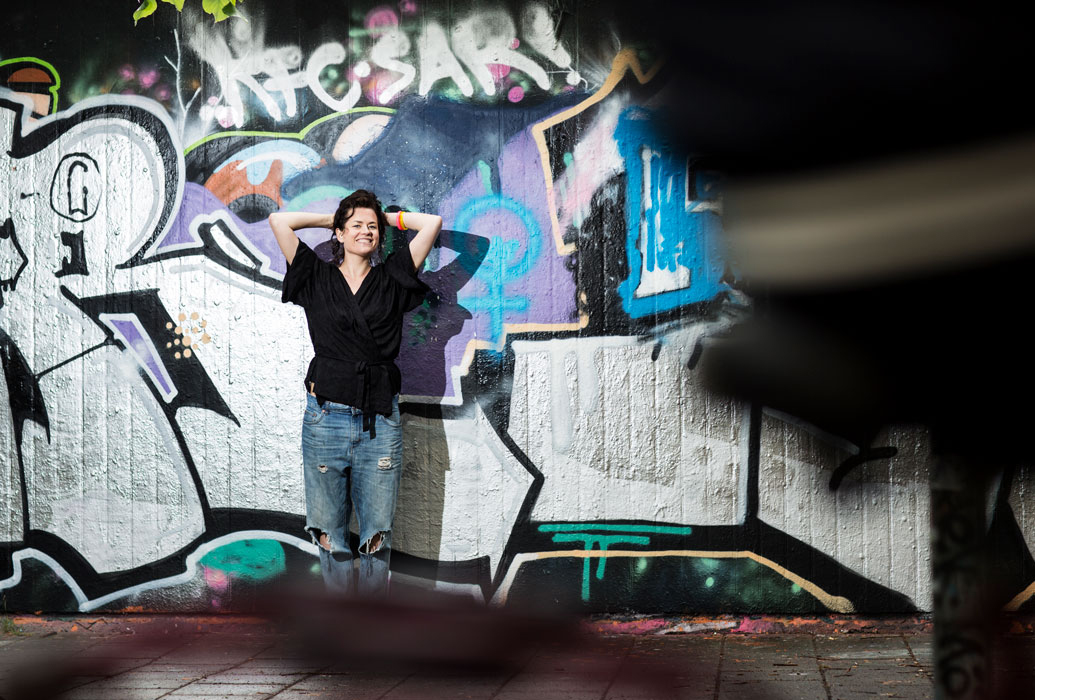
339	370
356	364
318	403
368	384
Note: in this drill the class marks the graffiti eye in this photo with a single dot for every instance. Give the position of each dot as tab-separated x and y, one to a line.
77	187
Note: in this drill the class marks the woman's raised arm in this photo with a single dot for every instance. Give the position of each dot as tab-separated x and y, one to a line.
285	223
427	225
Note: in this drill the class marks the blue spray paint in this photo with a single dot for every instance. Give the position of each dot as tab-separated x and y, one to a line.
679	265
508	260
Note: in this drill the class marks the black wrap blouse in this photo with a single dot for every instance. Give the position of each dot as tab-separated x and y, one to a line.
356	337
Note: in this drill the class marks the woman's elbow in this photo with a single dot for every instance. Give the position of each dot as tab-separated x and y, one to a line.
280	225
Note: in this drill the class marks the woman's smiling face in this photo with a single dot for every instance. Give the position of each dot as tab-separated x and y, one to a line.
360	234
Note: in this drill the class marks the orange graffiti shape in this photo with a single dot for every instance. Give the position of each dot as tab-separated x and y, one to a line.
232	182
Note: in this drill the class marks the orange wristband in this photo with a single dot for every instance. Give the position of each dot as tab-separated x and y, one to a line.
401	226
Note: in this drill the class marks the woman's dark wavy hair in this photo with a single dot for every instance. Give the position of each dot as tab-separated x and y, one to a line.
365	200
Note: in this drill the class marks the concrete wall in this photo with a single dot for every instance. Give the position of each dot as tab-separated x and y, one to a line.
558	443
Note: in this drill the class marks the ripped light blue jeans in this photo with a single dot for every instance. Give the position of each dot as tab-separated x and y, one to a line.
344	467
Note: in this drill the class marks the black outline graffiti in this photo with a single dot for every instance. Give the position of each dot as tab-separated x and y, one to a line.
24	394
214	252
27	404
86	211
75	262
753	474
488	384
47	132
210	249
491	372
866	454
7	233
194	386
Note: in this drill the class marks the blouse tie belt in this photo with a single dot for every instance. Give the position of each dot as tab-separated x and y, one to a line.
361	370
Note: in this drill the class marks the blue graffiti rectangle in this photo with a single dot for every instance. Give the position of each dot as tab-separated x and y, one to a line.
672	244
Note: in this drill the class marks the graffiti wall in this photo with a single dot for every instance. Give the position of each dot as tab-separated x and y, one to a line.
558	443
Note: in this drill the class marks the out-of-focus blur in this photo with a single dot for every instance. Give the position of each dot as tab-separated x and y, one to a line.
877	161
362	642
879	210
878	223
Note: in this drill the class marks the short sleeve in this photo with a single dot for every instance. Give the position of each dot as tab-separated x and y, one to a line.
299	275
401	270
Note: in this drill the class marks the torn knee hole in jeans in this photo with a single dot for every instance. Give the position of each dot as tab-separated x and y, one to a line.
321	538
384	463
323	468
374	543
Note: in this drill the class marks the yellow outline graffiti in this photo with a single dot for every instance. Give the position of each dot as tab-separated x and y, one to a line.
1021	598
474	345
835	603
625	61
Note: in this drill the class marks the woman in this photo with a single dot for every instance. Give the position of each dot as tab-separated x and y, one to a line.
352	442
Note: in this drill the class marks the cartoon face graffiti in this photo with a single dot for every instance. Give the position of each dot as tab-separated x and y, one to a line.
87	188
99	180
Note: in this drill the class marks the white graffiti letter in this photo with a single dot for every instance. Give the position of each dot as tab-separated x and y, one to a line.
484	38
541	35
326	55
240	60
438	61
390	47
278	63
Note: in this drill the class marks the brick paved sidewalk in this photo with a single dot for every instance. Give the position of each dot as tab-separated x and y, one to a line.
252	661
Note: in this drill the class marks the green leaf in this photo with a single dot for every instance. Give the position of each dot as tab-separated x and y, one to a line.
176	3
233	9
148	7
219	9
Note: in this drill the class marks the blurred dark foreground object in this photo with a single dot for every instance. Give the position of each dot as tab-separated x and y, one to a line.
952	350
901	292
419	628
945	338
877	174
877	193
942	336
412	630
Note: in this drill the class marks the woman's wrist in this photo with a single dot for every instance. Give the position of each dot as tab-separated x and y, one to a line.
403	220
412	220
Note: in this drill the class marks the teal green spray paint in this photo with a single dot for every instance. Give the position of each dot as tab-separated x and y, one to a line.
631	534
